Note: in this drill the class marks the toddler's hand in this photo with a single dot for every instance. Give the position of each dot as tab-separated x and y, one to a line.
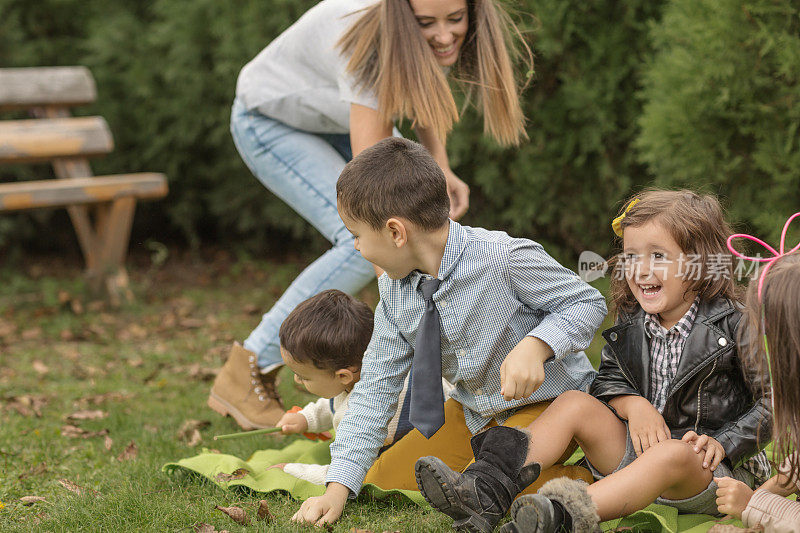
292	423
714	452
732	496
522	372
646	426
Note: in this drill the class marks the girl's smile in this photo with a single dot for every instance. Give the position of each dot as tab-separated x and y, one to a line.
654	265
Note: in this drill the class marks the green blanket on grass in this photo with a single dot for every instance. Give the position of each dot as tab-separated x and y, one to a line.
229	472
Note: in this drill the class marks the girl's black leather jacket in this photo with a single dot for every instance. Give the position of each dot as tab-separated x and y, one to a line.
709	394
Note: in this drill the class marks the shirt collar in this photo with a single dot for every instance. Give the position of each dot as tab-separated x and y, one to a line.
456	242
652	324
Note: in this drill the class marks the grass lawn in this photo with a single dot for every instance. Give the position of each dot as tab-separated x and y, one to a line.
146	368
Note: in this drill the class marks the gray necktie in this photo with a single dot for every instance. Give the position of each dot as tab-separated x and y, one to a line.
427	401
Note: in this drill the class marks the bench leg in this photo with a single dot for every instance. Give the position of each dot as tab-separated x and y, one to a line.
104	244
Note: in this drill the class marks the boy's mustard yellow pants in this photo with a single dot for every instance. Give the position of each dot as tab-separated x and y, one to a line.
394	469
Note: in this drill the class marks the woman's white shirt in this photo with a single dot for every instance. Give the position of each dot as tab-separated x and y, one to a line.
300	78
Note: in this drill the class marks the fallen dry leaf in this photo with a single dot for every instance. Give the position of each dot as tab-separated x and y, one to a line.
32	334
108	442
236	474
263	512
27	405
30	500
7	328
39	469
194	439
97	399
75	432
87	415
237	514
189	427
130	452
191	323
202	527
77	489
40	368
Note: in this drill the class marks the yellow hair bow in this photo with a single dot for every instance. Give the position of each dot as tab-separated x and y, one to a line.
616	224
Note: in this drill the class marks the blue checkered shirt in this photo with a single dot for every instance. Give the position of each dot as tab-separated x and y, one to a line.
495	290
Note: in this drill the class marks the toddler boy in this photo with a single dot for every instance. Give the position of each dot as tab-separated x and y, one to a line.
322	341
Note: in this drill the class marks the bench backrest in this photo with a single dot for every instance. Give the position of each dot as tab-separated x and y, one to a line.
46	86
49	92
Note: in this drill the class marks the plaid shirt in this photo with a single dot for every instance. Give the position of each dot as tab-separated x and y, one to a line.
666	347
665	352
495	291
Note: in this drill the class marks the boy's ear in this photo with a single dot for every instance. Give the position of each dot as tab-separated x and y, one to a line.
397	231
348	376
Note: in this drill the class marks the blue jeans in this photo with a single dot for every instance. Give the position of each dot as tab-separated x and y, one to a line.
301	169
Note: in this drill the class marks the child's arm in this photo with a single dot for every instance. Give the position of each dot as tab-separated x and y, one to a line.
645	424
573	312
318	415
762	508
363	429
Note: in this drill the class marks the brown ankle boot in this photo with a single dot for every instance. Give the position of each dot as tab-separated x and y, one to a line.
243	392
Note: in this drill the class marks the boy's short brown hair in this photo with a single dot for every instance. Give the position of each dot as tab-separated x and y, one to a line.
394	178
330	330
697	224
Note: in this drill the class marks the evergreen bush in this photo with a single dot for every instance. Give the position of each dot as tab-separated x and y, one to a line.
723	106
717	109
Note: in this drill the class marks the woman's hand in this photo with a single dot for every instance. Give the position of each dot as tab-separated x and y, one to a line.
458	191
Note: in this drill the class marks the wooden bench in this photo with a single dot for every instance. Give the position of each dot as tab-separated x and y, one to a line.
101	207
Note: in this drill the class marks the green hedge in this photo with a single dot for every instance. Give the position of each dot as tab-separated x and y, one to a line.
705	95
723	105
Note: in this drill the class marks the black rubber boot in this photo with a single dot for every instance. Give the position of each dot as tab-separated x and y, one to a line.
479	498
561	506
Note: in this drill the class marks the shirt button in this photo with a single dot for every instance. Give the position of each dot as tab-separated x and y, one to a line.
723	341
443	303
462	353
612	336
479	392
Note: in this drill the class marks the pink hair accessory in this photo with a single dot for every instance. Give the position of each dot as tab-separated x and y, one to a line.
776	254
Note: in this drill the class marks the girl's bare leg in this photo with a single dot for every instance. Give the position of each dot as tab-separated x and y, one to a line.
671	469
575	414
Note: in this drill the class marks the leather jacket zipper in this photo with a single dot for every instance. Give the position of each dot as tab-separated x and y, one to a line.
700	392
619	365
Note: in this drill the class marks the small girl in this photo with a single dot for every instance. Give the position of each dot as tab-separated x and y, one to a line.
670	408
774	316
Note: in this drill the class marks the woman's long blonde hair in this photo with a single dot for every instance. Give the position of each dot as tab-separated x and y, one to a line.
387	34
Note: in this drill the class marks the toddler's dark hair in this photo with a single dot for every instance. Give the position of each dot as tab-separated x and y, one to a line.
330	330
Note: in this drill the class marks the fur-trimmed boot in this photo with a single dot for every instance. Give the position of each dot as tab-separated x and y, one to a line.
479	498
561	505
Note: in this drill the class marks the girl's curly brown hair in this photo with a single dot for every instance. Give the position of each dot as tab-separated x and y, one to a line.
697	223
